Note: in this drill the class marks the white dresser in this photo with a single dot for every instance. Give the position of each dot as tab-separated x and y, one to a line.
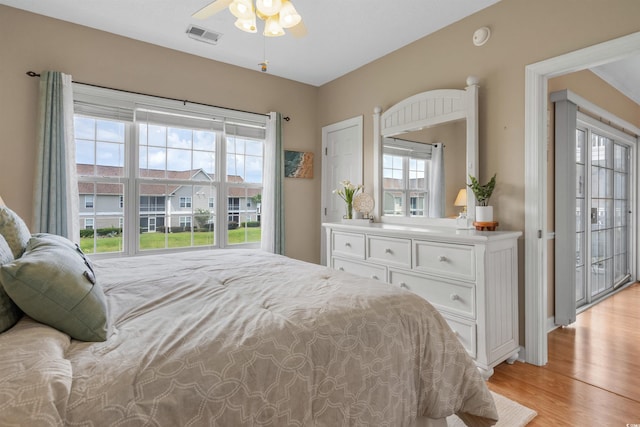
470	276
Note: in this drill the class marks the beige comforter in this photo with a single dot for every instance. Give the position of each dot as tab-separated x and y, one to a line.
242	338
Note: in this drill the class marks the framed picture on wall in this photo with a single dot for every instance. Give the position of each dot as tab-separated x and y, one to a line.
298	164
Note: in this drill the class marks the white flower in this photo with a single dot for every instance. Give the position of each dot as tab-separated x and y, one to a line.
348	190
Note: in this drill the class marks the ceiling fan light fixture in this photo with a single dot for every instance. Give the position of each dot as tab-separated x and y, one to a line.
247	25
289	17
269	7
242	9
272	27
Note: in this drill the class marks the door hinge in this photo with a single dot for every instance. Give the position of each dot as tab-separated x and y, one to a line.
325	211
539	234
326	151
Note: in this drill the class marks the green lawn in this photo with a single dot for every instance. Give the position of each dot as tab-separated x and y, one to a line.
171	240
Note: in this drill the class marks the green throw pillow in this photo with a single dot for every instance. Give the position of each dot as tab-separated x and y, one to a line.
55	284
14	230
9	311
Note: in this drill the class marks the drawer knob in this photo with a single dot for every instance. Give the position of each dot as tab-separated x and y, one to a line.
348	244
341	268
454	297
442	258
388	251
404	285
374	277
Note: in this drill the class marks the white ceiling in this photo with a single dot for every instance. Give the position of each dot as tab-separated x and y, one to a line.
624	75
342	35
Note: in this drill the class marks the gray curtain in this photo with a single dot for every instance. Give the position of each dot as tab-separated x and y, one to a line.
56	188
273	192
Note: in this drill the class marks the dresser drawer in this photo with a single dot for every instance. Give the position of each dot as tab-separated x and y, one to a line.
454	297
466	333
378	272
389	251
456	261
347	244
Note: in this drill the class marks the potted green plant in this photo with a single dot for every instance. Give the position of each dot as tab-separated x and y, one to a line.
482	193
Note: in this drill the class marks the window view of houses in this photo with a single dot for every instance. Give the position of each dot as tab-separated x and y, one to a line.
179	200
405	167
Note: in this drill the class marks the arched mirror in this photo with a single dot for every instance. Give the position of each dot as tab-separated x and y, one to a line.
425	148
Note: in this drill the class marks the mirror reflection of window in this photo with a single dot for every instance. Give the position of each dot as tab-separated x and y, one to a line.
405	174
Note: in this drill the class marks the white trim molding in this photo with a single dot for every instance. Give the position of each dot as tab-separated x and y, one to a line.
536	99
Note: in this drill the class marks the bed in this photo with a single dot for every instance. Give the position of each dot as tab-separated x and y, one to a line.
240	338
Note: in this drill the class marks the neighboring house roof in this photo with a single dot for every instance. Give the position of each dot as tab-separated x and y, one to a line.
391	183
151	189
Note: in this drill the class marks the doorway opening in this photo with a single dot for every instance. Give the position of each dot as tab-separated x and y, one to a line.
536	229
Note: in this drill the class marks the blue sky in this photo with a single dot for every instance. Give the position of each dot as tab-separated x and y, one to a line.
102	142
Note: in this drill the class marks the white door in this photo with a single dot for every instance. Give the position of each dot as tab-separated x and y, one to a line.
341	159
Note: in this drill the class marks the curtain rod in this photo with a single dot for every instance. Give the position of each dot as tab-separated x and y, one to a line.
34	74
415	142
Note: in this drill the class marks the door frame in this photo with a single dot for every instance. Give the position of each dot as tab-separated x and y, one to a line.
536	234
344	124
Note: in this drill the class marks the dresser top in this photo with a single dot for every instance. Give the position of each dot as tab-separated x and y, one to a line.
448	234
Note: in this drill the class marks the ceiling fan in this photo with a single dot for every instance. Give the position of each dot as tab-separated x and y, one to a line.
276	14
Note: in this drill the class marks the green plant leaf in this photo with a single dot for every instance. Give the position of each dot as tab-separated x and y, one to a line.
482	192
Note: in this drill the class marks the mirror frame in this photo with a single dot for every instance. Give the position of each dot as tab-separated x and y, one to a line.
428	109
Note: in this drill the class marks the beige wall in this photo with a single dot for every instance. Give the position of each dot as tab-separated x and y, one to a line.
597	91
523	32
32	42
592	88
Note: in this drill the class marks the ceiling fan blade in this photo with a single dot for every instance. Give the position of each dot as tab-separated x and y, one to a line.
211	9
298	31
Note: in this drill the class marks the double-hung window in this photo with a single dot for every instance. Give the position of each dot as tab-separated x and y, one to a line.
405	166
164	175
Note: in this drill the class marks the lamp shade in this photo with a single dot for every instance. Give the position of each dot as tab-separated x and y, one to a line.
269	7
461	198
289	17
247	25
242	9
272	27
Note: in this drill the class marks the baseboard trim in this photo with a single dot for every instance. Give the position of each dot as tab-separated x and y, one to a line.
551	324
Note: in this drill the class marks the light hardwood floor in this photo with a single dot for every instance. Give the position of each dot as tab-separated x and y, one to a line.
593	374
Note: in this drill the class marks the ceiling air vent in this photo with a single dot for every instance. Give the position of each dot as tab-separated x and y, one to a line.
203	35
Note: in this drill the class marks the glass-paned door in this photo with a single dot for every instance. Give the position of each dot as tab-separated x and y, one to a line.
602	213
581	136
595	227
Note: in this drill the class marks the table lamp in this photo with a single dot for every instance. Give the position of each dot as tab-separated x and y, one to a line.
461	200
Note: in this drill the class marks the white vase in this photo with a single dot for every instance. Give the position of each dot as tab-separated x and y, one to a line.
484	213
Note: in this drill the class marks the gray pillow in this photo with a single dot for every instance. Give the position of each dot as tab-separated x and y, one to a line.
55	284
14	230
9	311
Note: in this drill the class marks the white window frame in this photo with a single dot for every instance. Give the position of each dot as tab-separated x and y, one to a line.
123	103
185	221
89	224
403	149
89	201
186	202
